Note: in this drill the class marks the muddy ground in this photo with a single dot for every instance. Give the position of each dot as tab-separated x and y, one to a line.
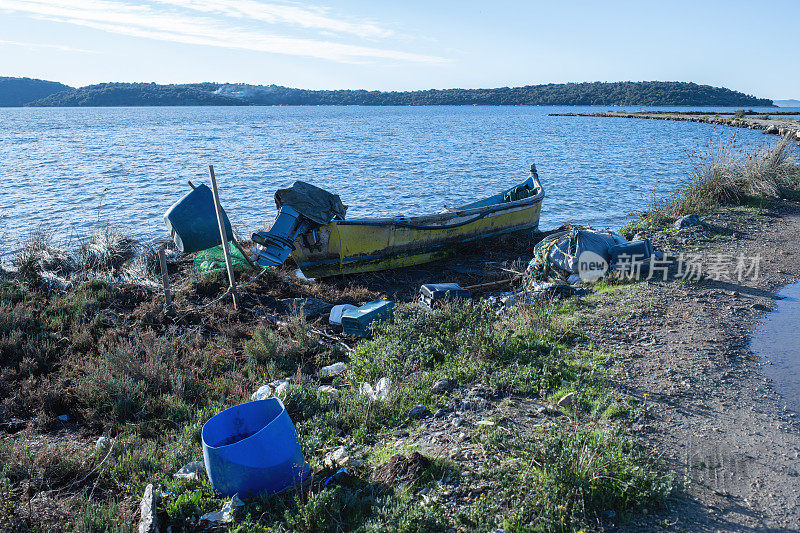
713	414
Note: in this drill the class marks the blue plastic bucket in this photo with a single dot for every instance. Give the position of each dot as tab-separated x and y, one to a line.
192	221
252	449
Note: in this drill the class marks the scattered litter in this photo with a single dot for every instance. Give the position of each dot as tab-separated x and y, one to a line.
281	388
332	370
213	259
357	321
338	477
102	443
566	400
263	392
434	294
191	471
335	318
327	389
625	255
380	392
252	448
337	457
484	423
299	275
63	418
224	515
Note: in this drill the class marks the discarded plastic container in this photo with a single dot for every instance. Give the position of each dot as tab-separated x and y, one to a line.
252	449
433	293
623	255
357	321
192	221
335	318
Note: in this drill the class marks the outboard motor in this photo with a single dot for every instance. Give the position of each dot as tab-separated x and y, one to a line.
278	242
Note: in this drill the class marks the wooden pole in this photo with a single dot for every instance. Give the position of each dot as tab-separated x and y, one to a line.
224	236
162	259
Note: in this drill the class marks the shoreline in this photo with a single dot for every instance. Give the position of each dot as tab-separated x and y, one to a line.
681	351
713	413
773	126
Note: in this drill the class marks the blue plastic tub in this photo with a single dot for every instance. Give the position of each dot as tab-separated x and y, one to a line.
252	449
192	221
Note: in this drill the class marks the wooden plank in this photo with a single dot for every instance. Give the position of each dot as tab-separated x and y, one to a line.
162	260
223	234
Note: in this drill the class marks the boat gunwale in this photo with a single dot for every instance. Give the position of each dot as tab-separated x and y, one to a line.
418	222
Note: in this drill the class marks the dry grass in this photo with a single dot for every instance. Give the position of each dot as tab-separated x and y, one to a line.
724	175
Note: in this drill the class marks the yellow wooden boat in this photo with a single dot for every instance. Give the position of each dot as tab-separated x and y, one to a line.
370	244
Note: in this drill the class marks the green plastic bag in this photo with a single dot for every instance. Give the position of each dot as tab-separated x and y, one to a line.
213	260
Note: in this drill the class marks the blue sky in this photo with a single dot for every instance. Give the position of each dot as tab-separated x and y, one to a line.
413	44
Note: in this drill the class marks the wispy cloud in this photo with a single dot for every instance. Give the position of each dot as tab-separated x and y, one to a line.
273	13
238	24
61	47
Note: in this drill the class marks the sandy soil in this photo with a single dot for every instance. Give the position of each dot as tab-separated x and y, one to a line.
713	414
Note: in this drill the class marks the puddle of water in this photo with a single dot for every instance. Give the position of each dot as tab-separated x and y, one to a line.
777	341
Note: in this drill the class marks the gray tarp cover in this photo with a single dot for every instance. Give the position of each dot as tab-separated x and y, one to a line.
599	242
312	202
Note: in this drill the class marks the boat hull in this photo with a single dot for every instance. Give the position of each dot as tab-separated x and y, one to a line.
360	246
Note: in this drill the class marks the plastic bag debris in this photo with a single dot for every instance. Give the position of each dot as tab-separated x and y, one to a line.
191	471
332	370
380	392
335	318
224	515
263	392
327	389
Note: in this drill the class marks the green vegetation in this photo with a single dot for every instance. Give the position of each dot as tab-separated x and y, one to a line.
104	355
725	175
137	94
16	92
646	93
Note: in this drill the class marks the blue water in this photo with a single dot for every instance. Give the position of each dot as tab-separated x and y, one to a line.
71	170
775	342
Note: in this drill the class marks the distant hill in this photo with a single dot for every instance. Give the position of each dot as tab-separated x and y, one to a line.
787	103
16	92
139	94
627	93
644	93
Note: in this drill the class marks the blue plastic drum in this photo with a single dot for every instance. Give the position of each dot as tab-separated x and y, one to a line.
192	221
252	449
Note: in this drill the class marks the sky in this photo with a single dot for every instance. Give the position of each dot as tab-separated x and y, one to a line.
404	45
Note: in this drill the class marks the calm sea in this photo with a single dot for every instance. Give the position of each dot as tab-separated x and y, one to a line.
72	170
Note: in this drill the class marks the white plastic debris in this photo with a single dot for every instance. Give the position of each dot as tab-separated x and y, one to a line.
192	471
263	392
332	370
300	275
327	389
282	387
102	443
337	457
380	392
224	515
335	317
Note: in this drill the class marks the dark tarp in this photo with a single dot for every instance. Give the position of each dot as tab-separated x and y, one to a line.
312	202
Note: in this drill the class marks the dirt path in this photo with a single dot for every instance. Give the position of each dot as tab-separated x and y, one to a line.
714	415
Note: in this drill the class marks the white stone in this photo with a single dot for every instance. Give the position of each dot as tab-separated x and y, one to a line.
263	392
